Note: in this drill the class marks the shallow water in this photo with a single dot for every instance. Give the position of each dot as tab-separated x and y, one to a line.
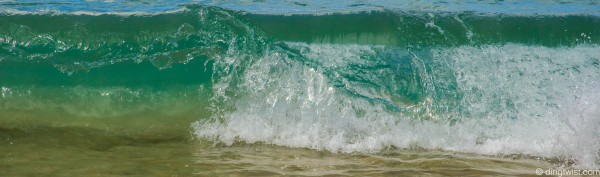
86	146
112	147
34	157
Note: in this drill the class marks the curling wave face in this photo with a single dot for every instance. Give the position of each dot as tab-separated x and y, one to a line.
457	81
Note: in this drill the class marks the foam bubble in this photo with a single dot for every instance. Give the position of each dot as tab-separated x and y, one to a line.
516	99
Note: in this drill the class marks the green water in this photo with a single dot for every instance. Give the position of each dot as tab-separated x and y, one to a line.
421	29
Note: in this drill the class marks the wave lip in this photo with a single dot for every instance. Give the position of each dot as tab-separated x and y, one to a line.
73	43
81	42
91	7
427	29
307	7
315	7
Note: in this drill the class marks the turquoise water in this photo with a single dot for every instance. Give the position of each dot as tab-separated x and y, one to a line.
451	79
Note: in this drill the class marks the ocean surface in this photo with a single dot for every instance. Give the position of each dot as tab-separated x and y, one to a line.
298	87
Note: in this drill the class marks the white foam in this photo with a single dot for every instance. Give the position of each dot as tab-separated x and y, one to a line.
9	11
518	99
